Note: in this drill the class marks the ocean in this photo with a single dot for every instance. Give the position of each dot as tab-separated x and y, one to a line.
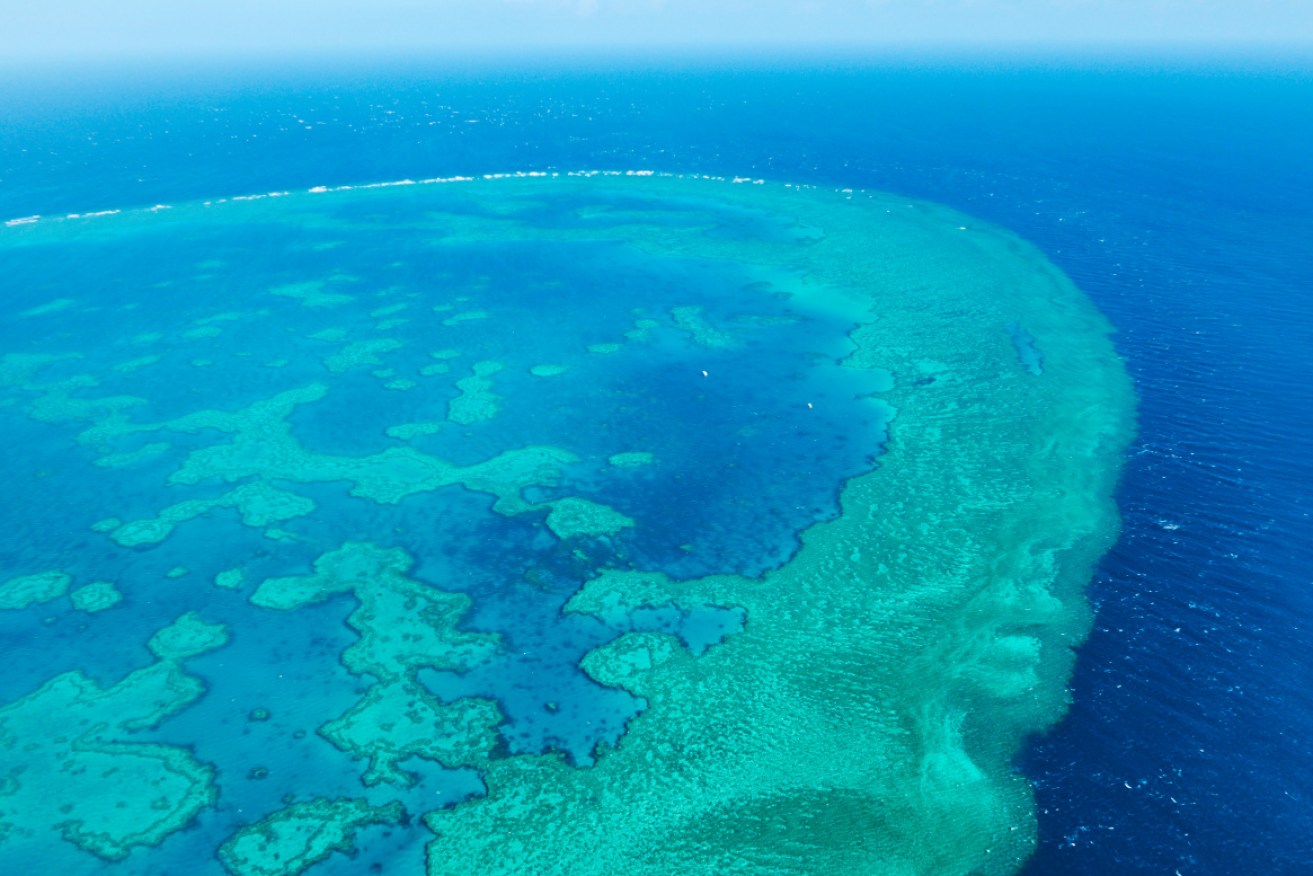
1173	190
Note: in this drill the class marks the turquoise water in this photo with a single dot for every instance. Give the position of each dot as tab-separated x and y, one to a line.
406	487
1185	748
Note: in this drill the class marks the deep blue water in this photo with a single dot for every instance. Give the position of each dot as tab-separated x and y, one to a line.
1176	192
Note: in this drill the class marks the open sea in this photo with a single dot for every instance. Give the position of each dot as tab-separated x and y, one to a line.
1175	191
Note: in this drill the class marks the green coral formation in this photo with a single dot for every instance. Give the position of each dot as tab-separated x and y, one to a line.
865	719
403	623
632	459
261	446
642	330
476	402
186	637
465	316
71	762
60	403
258	503
358	354
548	370
605	349
136	364
96	596
49	307
202	332
226	316
572	516
410	431
404	626
231	579
28	590
311	294
142	454
291	840
21	369
624	661
615	594
691	320
399	720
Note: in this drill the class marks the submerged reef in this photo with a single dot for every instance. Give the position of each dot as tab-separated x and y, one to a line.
732	528
865	719
74	761
29	590
96	596
404	626
289	841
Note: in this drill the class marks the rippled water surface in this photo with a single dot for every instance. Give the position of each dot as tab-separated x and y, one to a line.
1175	194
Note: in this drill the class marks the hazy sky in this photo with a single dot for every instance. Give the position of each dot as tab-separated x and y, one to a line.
63	28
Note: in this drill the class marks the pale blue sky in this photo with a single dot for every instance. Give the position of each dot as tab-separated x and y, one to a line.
86	28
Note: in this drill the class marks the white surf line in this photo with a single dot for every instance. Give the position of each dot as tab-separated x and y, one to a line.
96	215
260	197
438	180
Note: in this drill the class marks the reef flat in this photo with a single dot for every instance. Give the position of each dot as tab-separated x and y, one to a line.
731	528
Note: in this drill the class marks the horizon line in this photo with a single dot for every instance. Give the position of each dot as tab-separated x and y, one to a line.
640	54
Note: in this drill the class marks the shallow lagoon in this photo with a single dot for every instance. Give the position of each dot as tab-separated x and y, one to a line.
536	484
